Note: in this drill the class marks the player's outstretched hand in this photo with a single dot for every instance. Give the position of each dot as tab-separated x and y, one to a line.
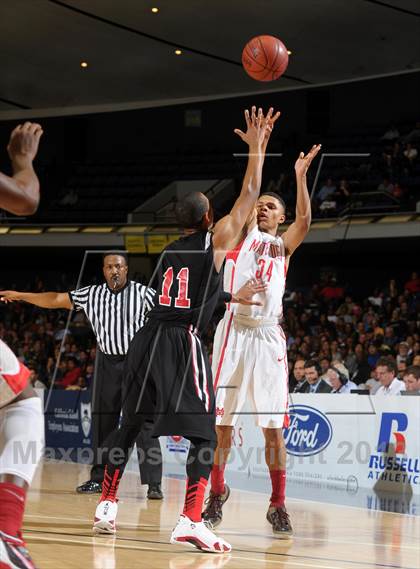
258	127
9	296
271	120
23	144
246	293
303	162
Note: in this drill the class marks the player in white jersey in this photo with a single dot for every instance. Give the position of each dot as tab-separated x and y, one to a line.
21	415
250	352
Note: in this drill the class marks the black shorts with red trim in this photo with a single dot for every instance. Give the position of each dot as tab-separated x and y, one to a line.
168	376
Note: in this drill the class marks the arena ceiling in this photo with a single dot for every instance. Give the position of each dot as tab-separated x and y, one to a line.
130	50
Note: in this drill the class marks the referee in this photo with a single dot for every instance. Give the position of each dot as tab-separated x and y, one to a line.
116	310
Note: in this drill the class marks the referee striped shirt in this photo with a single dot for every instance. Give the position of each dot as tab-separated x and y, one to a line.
115	316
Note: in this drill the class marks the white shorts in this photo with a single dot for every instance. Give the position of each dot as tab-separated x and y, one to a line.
250	371
21	437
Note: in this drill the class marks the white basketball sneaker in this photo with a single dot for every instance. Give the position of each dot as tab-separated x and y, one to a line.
105	515
197	534
13	553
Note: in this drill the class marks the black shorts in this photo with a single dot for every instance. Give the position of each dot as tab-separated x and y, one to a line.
168	376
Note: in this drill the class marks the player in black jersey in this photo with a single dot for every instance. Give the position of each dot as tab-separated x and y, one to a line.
167	371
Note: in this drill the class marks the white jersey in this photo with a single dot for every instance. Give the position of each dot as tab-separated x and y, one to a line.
14	376
259	256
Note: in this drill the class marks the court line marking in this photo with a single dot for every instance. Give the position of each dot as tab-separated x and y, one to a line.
289	556
129	525
333	504
291	499
239	557
300	538
357	508
257	494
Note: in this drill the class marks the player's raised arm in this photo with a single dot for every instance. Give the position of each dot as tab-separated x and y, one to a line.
19	194
42	299
298	230
256	136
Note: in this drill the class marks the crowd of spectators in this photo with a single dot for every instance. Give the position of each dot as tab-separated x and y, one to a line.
351	343
340	336
394	162
56	356
337	343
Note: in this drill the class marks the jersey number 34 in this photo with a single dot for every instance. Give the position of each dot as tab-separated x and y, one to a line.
260	272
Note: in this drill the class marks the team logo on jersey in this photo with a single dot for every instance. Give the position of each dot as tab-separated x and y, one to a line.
86	418
309	431
176	443
265	248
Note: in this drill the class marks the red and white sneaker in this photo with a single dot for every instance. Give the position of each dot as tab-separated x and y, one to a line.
105	516
13	553
197	534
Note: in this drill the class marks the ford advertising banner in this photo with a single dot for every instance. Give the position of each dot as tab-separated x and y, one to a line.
309	431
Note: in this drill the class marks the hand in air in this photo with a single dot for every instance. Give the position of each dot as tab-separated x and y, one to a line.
270	125
23	143
259	127
8	296
303	162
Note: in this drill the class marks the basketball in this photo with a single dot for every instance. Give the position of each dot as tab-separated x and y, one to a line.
265	58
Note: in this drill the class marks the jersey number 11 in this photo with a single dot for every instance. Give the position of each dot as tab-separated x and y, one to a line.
182	300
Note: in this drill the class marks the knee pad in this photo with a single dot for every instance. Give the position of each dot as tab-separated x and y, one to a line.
21	438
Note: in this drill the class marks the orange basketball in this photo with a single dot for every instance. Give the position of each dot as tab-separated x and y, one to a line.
265	58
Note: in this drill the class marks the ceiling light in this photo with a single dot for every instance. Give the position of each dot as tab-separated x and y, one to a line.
64	229
26	231
155	10
132	229
178	52
289	52
97	229
83	64
394	219
322	224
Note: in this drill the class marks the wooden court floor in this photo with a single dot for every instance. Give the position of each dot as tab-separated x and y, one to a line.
58	526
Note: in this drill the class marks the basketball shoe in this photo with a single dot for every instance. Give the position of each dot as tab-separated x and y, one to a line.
213	513
197	534
105	515
13	553
280	521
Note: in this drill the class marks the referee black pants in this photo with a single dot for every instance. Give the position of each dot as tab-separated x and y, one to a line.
106	409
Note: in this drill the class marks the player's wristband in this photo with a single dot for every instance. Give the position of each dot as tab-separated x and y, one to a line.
225	297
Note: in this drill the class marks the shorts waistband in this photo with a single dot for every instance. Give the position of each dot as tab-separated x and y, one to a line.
155	323
112	357
251	322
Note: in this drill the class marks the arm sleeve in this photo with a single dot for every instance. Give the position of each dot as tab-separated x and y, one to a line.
80	297
149	296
